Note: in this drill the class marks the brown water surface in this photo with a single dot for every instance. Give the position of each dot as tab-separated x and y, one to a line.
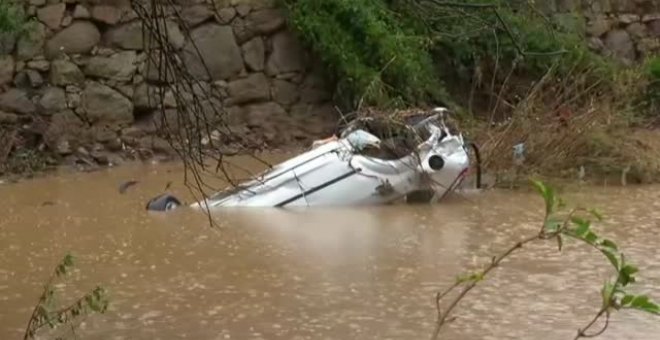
368	273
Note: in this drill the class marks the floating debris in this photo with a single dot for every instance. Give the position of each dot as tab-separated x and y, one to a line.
124	186
519	154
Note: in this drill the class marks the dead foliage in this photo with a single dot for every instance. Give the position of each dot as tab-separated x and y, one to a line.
575	127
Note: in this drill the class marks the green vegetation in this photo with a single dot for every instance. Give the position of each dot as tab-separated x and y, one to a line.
577	224
48	313
651	101
374	58
26	162
12	17
560	224
513	74
399	52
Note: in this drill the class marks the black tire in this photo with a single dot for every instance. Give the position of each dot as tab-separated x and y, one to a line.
164	202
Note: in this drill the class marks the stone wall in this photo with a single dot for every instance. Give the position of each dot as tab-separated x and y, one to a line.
79	78
628	30
77	81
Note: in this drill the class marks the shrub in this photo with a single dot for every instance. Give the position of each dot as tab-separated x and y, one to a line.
402	52
12	17
372	57
652	95
498	40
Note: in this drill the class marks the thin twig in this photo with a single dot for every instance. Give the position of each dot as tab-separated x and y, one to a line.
30	329
581	333
442	316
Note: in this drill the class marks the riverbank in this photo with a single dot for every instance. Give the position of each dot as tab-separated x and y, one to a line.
80	88
586	148
628	156
637	162
84	162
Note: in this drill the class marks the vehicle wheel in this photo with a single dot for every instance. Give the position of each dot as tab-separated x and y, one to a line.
420	196
163	202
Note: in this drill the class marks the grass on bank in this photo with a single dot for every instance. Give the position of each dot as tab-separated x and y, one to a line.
566	127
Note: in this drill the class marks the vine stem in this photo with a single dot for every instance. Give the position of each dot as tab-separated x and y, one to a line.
442	317
63	311
29	329
581	333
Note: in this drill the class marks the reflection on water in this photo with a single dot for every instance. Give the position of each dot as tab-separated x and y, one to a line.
367	273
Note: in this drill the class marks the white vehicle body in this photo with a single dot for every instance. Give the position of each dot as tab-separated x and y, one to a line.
336	174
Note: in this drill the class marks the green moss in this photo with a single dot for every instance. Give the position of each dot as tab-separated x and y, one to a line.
12	17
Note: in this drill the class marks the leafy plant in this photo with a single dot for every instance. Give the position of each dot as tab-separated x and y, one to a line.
558	225
45	312
385	52
374	58
487	41
12	17
25	161
651	98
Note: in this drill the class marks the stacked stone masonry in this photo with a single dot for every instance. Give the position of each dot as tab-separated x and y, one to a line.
79	76
628	30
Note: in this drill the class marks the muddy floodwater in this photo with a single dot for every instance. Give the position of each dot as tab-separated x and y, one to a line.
367	273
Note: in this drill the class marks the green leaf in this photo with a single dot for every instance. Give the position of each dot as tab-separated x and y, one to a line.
606	294
627	300
473	277
550	200
539	186
582	226
548	195
629	270
639	300
590	237
643	303
68	260
49	296
560	203
609	244
552	225
612	257
60	270
651	307
42	311
596	214
579	221
626	274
